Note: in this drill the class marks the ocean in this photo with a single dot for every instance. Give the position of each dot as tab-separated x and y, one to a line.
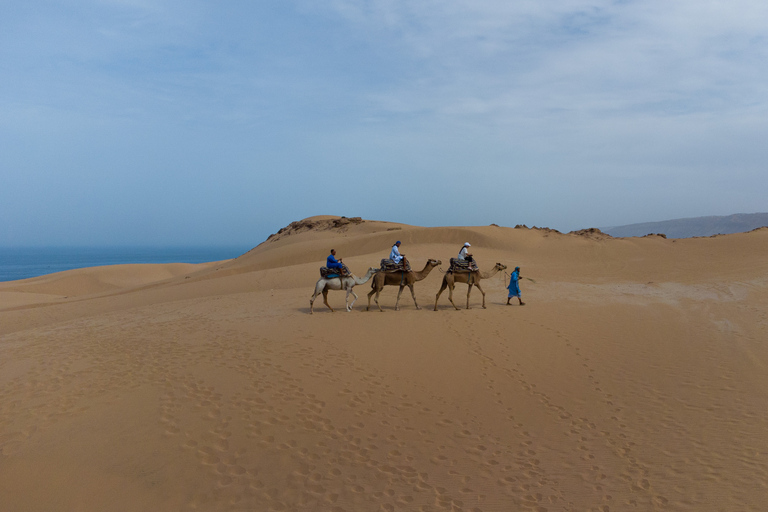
25	262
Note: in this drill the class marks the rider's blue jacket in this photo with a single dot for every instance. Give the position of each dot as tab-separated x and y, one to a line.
333	262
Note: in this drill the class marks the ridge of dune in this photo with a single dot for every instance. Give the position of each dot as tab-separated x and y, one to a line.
365	243
303	240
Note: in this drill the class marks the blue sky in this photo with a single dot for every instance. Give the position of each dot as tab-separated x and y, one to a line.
188	122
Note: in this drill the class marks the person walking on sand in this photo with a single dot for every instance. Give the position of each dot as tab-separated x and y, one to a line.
395	255
514	287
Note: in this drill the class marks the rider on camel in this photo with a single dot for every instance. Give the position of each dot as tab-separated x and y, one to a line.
332	262
465	256
395	255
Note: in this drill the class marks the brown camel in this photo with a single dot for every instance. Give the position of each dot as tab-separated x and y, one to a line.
451	278
401	279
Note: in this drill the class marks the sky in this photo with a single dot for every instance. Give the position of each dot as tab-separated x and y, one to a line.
187	122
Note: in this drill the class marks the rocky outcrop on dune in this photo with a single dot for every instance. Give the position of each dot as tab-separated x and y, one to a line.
593	233
341	224
535	228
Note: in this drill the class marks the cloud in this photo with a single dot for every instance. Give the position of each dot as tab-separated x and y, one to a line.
601	56
589	103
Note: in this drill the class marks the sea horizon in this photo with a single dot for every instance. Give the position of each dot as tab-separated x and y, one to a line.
24	262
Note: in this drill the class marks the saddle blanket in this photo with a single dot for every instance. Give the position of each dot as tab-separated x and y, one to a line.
332	272
462	266
388	265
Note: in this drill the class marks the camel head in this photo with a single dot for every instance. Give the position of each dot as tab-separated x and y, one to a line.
434	263
500	267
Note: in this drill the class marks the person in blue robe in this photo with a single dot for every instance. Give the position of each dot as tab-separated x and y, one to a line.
332	262
394	254
514	287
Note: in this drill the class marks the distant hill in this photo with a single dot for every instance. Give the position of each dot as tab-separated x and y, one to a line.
696	226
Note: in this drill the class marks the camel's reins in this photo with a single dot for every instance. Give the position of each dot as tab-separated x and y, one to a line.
510	275
504	278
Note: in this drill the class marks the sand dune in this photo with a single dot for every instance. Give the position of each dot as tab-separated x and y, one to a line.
92	281
635	378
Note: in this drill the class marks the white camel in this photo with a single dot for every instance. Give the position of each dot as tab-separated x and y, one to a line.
339	283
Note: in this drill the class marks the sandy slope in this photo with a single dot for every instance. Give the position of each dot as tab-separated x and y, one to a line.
635	378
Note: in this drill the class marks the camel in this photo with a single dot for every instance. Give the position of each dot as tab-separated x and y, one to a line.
401	279
339	283
451	278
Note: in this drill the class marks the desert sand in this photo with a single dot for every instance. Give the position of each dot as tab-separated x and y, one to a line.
634	378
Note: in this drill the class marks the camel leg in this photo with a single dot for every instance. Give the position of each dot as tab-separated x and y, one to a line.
376	298
450	296
399	292
349	308
325	299
469	290
481	291
413	295
437	297
312	299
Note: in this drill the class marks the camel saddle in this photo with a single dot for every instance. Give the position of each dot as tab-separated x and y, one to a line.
458	265
388	265
333	272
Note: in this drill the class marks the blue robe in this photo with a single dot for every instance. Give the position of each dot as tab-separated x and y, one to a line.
514	284
333	262
394	255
